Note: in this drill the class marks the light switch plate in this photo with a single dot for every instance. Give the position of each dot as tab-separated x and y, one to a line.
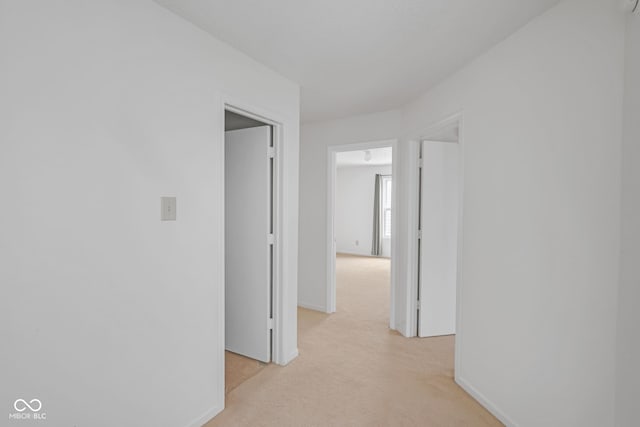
167	208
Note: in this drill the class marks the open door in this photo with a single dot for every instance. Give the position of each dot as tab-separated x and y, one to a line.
248	242
439	200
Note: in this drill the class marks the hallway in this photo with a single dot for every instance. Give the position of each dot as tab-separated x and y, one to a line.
353	371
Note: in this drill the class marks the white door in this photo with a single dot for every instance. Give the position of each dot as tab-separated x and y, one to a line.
439	201
247	242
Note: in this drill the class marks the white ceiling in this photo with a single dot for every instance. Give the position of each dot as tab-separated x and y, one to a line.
360	56
379	156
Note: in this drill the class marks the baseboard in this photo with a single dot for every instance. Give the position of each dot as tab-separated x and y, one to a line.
206	417
312	307
290	358
488	405
365	255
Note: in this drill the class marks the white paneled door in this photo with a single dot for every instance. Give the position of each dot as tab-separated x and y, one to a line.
439	210
248	240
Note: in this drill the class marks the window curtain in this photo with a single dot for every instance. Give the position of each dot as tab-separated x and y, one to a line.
378	218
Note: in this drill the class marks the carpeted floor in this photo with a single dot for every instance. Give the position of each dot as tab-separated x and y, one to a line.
238	369
353	371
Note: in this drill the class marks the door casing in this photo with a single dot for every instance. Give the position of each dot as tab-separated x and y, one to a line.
411	304
278	355
330	305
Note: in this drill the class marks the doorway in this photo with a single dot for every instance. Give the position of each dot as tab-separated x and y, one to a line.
438	218
250	177
361	225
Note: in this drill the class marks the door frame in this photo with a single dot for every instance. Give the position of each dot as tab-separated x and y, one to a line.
427	133
332	151
278	355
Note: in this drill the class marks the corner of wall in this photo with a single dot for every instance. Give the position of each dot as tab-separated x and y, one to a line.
484	401
206	417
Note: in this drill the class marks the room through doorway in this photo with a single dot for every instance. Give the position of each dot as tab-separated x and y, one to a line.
362	231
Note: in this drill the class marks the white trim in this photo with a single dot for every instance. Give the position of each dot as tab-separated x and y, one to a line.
330	291
330	240
206	417
488	404
363	255
411	301
220	388
312	307
277	355
292	356
460	281
434	129
277	296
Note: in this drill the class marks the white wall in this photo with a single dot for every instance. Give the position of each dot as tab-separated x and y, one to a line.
317	137
541	215
355	190
542	116
628	374
107	315
541	137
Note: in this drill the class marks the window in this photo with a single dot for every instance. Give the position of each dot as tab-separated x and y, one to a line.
386	206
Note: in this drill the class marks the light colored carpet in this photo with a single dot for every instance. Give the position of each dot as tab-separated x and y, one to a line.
353	371
238	369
